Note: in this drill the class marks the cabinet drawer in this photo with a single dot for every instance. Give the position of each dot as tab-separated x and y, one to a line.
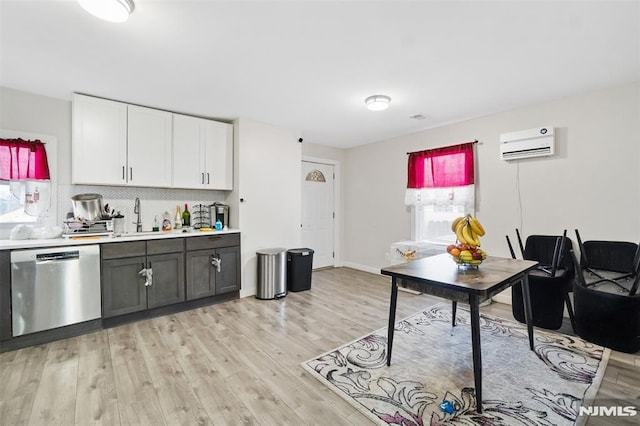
212	241
120	250
172	245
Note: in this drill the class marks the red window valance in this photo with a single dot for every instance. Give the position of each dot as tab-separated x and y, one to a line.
441	167
20	159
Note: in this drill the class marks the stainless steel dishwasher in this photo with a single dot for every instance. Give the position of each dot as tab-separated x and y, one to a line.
54	287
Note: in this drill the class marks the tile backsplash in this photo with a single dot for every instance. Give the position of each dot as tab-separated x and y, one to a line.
153	201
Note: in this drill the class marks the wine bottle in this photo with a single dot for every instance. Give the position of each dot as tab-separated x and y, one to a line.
178	220
186	216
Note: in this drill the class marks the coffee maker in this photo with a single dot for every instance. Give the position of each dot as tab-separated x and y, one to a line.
219	212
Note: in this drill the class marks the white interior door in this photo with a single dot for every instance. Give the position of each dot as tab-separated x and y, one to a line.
318	212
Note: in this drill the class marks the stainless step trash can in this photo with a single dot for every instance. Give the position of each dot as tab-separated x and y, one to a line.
272	273
299	266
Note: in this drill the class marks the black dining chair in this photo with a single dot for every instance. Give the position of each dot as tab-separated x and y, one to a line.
606	317
549	284
614	263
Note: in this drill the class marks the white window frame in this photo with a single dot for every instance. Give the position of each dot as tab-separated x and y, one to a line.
419	220
51	144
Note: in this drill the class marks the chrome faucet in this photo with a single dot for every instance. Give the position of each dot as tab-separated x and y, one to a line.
136	210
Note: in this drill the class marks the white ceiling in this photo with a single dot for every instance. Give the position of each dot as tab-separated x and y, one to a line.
309	65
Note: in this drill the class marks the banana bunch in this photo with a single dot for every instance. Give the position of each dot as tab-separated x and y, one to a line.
468	230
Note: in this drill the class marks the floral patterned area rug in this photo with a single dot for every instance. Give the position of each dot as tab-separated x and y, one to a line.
430	380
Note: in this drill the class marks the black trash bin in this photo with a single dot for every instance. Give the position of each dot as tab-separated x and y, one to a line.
299	265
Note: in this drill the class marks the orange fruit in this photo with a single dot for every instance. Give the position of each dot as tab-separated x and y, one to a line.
454	252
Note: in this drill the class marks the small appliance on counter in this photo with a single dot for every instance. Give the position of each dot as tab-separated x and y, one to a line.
219	212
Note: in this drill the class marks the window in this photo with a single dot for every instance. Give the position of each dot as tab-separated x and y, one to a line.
440	187
26	193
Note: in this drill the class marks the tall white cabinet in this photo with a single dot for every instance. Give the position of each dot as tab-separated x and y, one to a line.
119	144
202	153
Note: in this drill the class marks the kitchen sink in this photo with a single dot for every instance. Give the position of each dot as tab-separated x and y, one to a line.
140	234
145	233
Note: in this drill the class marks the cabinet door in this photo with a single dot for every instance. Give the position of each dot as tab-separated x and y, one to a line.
228	279
200	274
99	144
218	154
168	279
188	154
123	290
149	147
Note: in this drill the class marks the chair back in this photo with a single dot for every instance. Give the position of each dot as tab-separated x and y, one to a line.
616	256
541	248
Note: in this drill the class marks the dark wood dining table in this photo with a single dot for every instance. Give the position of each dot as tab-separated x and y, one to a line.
441	276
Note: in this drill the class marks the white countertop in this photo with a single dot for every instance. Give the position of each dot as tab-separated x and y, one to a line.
74	241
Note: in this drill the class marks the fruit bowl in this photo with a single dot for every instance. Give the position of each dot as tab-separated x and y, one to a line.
472	262
466	255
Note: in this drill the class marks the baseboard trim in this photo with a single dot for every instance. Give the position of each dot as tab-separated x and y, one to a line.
363	268
502	298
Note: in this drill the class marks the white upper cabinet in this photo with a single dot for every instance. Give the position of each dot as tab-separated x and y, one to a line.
99	143
188	164
202	153
119	144
148	147
219	155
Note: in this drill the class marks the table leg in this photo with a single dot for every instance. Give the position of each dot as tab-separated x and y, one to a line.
528	314
475	345
454	306
392	318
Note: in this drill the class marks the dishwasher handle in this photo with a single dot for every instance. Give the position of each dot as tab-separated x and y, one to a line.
59	256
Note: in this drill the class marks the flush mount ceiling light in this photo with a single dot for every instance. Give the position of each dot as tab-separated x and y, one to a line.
109	10
377	102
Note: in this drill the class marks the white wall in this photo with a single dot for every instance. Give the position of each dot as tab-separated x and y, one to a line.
592	183
267	196
322	151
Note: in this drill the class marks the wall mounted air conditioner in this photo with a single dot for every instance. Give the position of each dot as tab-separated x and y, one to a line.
538	142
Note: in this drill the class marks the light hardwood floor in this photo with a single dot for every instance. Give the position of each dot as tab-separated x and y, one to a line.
232	363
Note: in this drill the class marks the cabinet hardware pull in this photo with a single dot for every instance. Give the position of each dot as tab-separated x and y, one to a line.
130	173
147	273
216	262
202	178
208	182
123	177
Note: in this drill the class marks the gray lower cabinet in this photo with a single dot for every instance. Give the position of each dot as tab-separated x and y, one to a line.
126	286
168	279
123	289
213	265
